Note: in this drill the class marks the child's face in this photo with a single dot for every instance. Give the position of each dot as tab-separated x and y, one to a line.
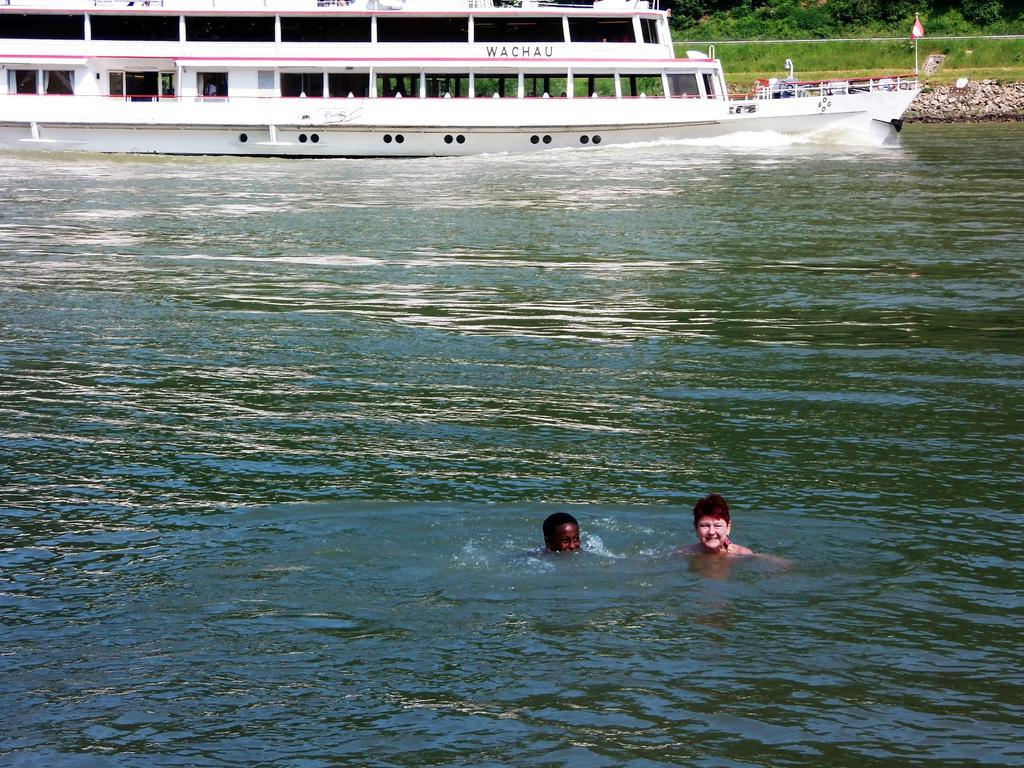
566	538
712	533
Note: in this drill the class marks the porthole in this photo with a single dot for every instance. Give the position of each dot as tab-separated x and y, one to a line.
303	138
399	138
547	139
387	138
460	139
243	138
597	139
315	138
535	139
449	139
584	139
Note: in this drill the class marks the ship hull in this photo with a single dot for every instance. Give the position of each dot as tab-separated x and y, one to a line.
368	128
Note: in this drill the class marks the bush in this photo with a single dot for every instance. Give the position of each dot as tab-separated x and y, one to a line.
778	19
983	11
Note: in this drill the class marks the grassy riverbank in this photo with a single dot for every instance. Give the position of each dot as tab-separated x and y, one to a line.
975	58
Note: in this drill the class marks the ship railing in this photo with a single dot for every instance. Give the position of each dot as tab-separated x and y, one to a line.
128	3
642	5
775	88
141	97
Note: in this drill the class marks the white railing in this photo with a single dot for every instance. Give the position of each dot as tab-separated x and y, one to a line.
128	3
788	89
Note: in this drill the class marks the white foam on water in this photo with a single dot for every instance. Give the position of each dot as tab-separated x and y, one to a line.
109	214
748	140
594	545
472	555
334	260
832	136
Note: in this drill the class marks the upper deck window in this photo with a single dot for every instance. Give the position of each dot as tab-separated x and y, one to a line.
391	30
537	30
58	82
447	85
50	26
298	29
134	27
342	84
683	84
391	85
588	86
501	86
649	27
212	84
227	29
24	81
601	31
710	87
302	84
642	86
546	85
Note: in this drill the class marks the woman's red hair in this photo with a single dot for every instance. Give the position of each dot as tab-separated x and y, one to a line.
712	505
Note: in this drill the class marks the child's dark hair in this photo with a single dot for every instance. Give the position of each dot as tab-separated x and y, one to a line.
553	522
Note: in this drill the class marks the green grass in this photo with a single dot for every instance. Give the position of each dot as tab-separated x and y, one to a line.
977	58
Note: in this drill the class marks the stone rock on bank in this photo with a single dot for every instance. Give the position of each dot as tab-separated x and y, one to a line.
977	101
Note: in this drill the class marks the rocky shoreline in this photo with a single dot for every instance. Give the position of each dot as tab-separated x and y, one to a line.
976	102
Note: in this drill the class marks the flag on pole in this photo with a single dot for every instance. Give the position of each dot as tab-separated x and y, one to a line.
918	30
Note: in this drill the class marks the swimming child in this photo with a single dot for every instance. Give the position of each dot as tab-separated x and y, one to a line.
561	532
712	524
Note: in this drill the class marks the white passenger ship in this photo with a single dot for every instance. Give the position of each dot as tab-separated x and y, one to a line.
328	78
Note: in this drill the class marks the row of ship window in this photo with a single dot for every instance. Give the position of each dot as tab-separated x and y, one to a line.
149	85
398	138
298	29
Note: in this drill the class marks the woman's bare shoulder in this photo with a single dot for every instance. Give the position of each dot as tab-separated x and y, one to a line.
689	549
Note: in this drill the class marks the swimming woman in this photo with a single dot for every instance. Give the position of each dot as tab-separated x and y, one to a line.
712	524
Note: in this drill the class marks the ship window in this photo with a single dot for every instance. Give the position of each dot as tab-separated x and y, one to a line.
536	86
341	84
422	30
42	26
586	86
167	88
141	86
709	84
649	28
212	84
302	84
642	85
440	86
392	85
229	29
683	84
299	29
489	87
58	82
24	81
601	31
265	80
116	80
541	30
134	27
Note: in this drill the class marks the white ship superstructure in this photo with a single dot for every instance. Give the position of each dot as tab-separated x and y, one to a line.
384	78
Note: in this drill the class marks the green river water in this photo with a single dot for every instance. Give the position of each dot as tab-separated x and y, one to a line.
276	439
